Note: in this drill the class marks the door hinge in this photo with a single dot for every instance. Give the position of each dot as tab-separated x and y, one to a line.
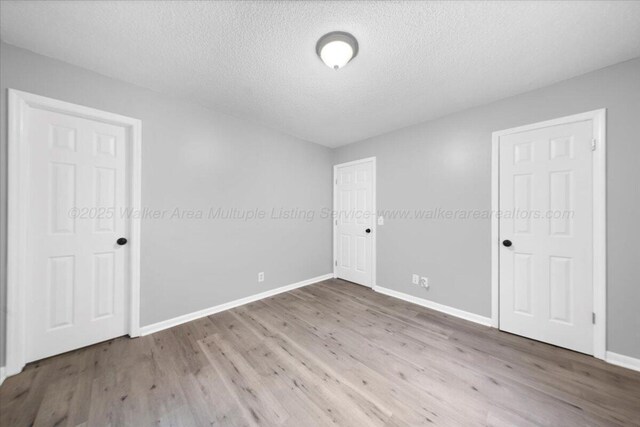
594	143
593	318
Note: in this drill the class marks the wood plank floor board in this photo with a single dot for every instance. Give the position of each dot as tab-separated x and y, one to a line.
453	380
406	375
543	357
284	346
390	335
328	352
323	386
498	344
297	374
332	353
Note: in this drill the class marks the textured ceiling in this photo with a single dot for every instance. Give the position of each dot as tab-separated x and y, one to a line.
256	60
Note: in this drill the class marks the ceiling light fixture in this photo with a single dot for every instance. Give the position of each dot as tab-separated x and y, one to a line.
337	48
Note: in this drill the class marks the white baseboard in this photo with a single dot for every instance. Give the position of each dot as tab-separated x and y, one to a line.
486	321
622	360
3	374
166	324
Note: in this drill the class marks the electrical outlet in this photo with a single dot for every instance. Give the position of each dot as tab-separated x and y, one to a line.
261	276
415	279
424	282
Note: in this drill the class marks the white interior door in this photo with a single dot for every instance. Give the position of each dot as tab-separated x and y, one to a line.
546	204
355	222
76	293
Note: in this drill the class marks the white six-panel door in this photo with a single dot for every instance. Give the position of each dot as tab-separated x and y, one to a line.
354	224
76	291
546	208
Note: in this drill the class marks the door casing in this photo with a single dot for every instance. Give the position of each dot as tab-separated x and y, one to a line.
598	117
18	196
374	224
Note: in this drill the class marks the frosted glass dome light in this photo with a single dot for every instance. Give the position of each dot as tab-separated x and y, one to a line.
336	49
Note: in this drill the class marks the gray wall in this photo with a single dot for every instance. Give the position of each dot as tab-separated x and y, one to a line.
446	163
195	158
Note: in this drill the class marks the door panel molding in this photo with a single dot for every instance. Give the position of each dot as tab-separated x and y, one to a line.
18	206
374	233
598	117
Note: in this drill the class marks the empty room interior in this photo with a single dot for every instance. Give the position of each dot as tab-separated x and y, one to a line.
313	213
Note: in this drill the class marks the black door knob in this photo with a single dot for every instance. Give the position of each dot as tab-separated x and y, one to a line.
368	230
507	243
121	241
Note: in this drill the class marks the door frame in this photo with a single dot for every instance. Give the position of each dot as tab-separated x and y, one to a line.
18	187
599	220
374	224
